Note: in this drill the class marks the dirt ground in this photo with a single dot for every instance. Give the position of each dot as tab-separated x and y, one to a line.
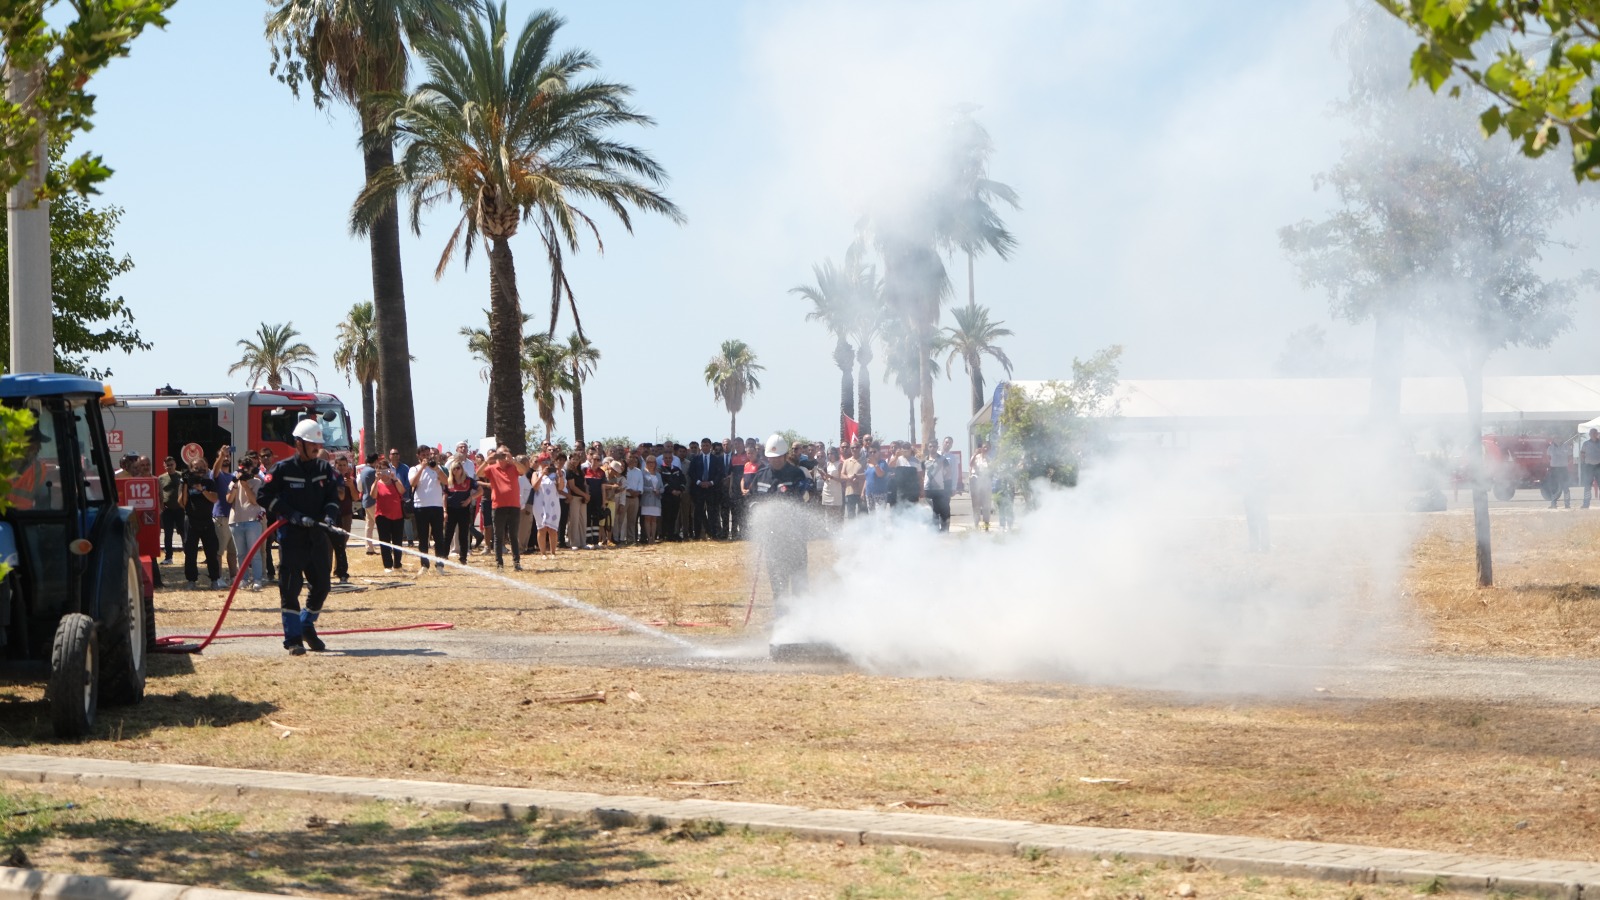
1514	779
383	850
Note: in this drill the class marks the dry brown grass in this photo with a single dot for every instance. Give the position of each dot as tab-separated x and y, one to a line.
1546	599
266	845
1434	775
1510	779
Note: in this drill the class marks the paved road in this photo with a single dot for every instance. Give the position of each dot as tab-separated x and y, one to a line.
1563	681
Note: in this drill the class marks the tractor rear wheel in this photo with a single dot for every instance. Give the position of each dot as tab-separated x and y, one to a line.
126	643
74	676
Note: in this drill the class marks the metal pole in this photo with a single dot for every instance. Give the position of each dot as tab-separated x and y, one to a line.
28	252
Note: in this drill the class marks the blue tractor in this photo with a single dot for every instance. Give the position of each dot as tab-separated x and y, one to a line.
75	597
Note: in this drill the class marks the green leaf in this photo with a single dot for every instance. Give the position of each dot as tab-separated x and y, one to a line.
1490	121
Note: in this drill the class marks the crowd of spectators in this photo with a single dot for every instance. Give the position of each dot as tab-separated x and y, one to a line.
461	501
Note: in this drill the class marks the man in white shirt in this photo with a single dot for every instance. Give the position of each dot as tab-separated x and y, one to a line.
632	490
427	499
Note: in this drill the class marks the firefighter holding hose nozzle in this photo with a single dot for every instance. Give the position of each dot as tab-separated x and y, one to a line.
777	495
304	493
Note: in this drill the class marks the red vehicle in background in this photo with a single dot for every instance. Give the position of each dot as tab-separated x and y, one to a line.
160	424
1511	462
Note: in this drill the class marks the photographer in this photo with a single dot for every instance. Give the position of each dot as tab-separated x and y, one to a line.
244	517
222	474
198	498
347	514
427	500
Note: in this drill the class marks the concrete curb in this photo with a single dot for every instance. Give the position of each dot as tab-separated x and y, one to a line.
32	884
1222	853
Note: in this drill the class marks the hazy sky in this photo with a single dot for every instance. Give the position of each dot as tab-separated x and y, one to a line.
1157	148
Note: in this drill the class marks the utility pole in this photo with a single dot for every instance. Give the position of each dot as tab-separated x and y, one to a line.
28	251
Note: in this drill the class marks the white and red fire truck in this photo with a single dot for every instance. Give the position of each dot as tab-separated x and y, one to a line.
162	424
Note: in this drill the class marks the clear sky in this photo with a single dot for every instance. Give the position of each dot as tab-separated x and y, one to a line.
1157	148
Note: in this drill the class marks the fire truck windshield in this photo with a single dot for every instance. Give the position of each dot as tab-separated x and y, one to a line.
334	435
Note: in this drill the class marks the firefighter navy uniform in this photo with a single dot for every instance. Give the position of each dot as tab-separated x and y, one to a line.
779	517
303	493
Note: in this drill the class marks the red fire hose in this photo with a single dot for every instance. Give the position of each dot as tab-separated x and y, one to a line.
174	643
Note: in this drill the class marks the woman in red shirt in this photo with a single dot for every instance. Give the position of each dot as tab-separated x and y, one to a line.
386	493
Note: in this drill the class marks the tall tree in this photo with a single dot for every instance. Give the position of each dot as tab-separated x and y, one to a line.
954	211
581	357
355	353
351	51
1441	233
832	297
275	357
974	226
732	377
480	348
549	377
865	323
973	337
86	318
513	132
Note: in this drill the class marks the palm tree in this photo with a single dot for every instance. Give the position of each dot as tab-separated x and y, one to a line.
970	339
356	355
544	363
276	357
972	225
732	376
831	299
581	357
954	213
350	51
513	132
479	347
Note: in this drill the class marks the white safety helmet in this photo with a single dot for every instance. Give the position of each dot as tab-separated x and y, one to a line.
777	446
308	430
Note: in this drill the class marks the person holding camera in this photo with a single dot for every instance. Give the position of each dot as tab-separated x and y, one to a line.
505	476
222	474
198	498
245	514
427	504
304	492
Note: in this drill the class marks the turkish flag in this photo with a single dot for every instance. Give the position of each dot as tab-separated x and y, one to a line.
851	429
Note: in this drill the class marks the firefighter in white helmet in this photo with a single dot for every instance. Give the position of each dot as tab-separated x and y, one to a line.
304	493
779	515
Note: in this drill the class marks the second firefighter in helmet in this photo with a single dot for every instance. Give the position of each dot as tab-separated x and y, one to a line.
303	491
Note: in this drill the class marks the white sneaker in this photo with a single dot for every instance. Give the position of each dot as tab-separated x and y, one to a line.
219	585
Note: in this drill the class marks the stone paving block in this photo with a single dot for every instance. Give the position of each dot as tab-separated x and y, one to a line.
1247	865
60	776
21	774
105	780
932	841
1529	886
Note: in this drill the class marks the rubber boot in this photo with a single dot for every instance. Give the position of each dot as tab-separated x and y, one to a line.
308	628
292	632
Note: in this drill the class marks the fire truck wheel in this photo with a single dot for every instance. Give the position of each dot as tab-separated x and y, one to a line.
1504	491
1547	489
74	676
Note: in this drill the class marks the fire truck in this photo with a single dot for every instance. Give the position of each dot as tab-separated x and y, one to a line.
163	423
1510	462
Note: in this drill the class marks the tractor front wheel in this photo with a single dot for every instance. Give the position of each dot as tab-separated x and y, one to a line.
74	676
126	643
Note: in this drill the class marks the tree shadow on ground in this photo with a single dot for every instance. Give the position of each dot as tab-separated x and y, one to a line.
25	717
449	857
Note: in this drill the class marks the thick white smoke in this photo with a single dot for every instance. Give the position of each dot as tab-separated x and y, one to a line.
1139	576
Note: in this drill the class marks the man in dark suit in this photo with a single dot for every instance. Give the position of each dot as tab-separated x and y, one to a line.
706	471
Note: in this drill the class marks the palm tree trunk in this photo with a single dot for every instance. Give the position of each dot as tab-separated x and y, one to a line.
577	408
911	418
733	424
929	434
369	413
505	348
844	357
972	285
864	387
977	389
1473	373
398	414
